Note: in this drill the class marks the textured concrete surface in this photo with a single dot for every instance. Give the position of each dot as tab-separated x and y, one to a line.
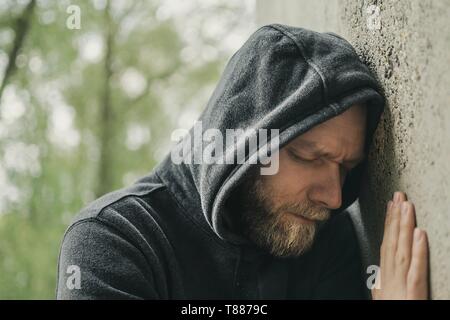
407	45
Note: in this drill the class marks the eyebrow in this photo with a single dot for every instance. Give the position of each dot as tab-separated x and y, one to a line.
317	150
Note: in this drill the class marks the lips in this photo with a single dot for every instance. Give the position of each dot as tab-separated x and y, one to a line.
302	219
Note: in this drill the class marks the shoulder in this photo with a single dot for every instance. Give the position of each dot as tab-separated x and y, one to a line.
116	242
120	212
123	218
130	198
126	213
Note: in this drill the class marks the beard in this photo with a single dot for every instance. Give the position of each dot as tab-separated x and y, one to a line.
273	227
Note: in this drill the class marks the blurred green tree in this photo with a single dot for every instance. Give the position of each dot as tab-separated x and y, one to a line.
86	111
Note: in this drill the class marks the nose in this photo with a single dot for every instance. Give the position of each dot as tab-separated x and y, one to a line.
327	190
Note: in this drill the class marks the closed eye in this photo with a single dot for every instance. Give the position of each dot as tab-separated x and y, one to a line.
296	157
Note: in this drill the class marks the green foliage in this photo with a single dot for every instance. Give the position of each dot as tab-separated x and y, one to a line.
61	151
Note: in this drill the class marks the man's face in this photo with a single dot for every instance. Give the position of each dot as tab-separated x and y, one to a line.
281	212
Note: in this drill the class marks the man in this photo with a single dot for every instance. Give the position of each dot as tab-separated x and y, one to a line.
221	229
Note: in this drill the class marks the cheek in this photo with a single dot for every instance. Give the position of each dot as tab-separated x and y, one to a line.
291	179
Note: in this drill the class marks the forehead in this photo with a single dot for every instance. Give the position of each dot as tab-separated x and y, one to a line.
344	133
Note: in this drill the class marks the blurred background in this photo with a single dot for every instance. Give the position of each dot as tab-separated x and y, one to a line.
90	91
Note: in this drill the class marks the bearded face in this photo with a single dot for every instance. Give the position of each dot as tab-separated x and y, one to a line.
282	212
284	229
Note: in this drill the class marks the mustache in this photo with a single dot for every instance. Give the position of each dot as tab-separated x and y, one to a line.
307	210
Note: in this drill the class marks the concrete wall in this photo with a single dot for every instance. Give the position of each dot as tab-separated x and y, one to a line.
407	45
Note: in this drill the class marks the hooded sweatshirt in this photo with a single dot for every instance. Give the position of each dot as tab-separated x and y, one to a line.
169	235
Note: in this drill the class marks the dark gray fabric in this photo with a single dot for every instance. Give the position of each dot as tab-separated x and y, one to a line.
169	237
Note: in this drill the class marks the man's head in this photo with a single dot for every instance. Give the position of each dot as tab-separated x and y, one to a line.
281	212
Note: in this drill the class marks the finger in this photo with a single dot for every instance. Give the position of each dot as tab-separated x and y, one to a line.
400	196
388	214
387	222
417	280
394	220
397	198
391	238
405	239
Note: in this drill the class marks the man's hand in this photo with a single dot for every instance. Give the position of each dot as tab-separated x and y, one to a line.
403	272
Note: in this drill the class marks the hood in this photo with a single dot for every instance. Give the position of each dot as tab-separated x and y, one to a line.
284	78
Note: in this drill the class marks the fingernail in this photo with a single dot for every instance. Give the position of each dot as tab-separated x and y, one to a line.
405	207
397	196
417	234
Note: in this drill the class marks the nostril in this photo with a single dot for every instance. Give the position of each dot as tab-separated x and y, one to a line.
335	200
323	204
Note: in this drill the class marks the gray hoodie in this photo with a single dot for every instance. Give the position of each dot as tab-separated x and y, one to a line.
168	236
